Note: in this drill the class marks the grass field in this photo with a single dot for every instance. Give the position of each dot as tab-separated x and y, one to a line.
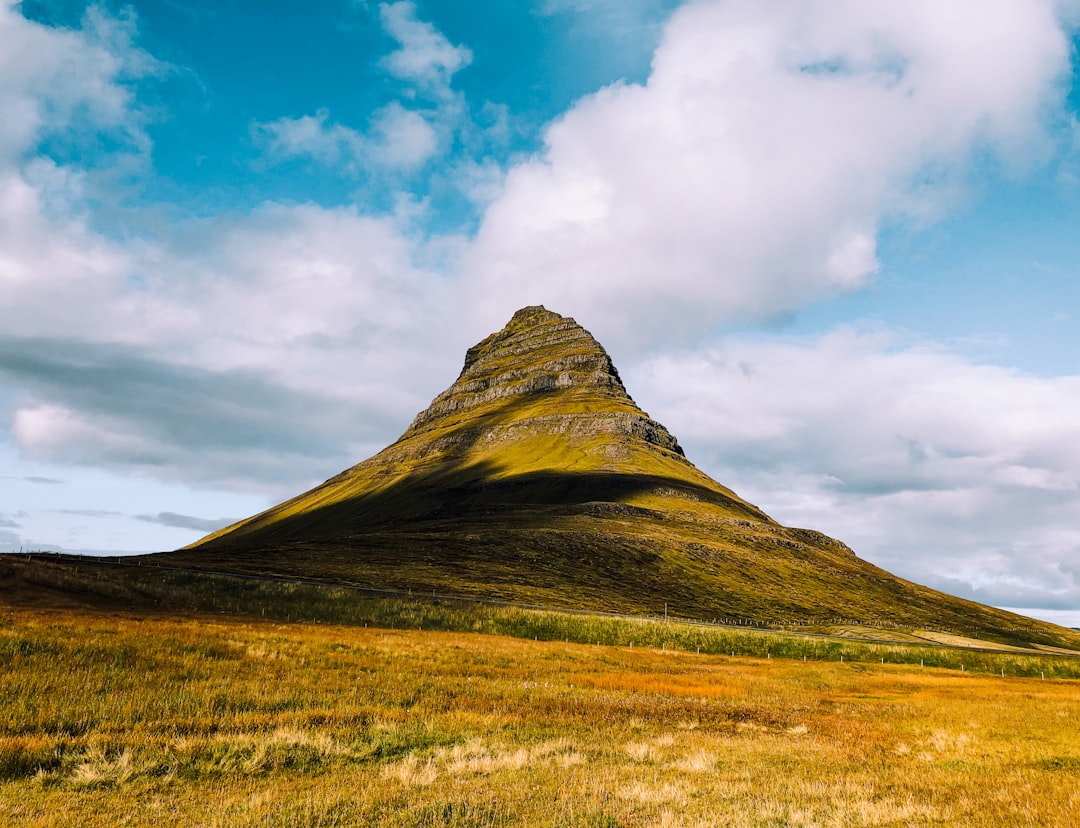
121	718
57	581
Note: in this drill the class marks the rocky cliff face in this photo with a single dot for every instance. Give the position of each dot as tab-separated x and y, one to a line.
541	353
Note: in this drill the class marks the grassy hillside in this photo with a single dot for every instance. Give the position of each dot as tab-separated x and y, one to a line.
536	478
48	581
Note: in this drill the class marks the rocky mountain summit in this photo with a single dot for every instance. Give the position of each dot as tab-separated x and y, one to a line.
537	353
535	477
540	351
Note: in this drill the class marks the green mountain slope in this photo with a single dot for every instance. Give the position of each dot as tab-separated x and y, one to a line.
535	477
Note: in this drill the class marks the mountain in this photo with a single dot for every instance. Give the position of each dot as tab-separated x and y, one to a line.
535	477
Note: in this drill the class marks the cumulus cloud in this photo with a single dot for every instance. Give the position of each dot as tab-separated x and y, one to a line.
308	135
955	474
397	139
402	138
62	88
424	55
68	82
216	327
751	173
322	299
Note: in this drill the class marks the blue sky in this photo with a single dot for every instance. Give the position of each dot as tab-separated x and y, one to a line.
831	245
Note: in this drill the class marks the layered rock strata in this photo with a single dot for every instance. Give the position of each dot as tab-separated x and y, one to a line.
537	352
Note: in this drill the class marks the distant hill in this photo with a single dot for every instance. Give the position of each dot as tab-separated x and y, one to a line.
536	478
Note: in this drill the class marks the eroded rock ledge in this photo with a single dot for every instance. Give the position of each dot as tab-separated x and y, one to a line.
541	352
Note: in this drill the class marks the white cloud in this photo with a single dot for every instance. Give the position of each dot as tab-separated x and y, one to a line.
55	432
323	305
750	174
70	87
52	266
308	135
397	139
68	82
329	308
402	138
425	56
302	285
297	340
960	475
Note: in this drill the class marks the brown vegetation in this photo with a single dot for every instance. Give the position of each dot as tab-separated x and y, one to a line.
113	719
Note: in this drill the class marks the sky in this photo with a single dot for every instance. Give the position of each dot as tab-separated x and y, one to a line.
833	246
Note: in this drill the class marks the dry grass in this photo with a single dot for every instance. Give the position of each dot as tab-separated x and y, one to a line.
111	719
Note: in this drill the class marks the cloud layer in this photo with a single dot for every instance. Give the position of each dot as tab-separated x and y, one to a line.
266	348
962	476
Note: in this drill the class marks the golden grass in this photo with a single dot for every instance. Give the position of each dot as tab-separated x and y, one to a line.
126	720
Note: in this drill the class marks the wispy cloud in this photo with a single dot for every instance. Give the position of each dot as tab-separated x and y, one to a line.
187	522
311	136
424	55
45	481
397	139
401	138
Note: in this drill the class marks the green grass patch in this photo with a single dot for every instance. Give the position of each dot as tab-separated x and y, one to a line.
153	589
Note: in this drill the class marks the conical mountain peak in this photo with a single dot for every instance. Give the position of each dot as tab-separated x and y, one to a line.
540	364
535	477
